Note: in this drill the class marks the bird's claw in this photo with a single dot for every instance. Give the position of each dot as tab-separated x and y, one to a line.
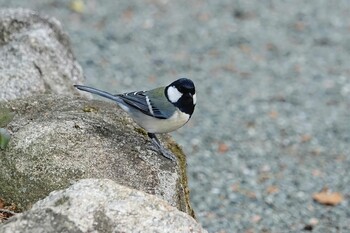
160	149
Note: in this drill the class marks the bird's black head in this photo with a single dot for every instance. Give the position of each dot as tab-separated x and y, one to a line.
182	94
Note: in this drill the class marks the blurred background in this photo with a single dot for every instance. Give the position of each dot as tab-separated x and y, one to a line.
271	131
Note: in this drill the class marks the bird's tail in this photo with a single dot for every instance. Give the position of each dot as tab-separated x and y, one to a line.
98	92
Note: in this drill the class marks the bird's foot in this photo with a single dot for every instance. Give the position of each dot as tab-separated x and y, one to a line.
159	148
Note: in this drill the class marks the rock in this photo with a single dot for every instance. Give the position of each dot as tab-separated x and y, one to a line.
58	140
35	56
101	205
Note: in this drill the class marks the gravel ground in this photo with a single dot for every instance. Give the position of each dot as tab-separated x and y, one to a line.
271	126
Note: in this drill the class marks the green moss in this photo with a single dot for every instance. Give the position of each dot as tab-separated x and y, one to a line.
185	204
103	222
62	201
5	137
6	116
141	131
90	109
25	186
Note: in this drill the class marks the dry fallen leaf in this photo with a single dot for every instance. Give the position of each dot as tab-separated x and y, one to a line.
272	189
223	147
305	138
326	197
273	114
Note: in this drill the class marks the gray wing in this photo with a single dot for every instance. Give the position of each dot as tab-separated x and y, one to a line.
150	106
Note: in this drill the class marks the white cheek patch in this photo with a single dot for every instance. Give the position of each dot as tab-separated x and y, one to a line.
173	94
194	99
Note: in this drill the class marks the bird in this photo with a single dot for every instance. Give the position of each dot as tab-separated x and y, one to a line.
160	110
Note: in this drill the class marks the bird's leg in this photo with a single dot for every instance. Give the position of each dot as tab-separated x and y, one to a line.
160	148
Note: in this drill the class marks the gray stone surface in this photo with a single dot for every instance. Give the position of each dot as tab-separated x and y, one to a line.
101	205
35	56
58	140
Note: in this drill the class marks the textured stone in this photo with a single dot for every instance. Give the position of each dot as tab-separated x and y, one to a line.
35	56
101	205
58	140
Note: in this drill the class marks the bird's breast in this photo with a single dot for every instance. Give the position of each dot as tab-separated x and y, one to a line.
156	125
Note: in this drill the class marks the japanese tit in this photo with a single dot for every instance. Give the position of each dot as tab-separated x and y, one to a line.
160	110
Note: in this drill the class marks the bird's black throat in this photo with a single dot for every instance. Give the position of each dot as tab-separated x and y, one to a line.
185	104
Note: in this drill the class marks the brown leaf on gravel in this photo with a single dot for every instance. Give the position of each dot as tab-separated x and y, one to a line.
128	15
272	189
249	194
222	148
273	114
305	138
326	197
